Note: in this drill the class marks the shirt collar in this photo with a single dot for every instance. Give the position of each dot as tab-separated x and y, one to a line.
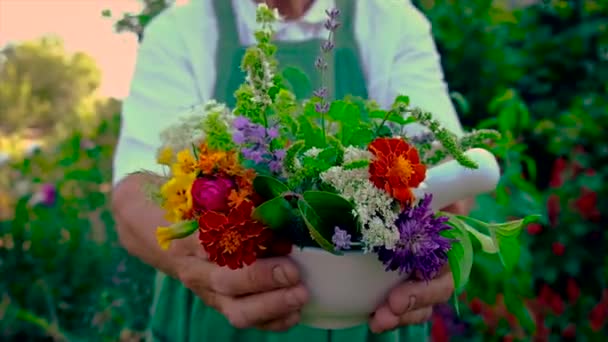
315	15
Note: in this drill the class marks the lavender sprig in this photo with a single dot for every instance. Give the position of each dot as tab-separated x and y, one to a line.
331	24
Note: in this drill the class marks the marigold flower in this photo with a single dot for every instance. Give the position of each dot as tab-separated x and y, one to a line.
179	230
233	240
165	156
396	168
177	197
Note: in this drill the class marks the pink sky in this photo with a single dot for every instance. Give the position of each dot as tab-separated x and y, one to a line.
80	24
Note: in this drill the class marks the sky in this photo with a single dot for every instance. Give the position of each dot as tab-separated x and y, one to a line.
80	24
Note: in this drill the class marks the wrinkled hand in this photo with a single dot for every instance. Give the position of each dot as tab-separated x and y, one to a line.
266	295
412	302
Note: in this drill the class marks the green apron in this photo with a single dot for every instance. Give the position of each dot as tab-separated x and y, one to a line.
177	314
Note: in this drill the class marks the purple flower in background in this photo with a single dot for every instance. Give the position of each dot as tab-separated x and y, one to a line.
421	250
256	140
341	239
46	195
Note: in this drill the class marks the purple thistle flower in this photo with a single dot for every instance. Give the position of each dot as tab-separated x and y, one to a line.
341	239
421	250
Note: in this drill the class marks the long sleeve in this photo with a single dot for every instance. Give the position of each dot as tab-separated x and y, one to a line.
163	85
416	69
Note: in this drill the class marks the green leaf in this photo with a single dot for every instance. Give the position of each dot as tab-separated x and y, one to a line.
297	82
391	117
460	256
309	132
269	187
401	100
342	111
505	236
487	242
332	208
461	101
315	227
275	213
360	138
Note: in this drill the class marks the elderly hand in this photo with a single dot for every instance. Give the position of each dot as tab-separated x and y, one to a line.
412	302
267	295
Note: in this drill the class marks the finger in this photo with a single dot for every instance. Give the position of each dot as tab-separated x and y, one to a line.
384	319
263	275
416	317
281	324
257	309
411	296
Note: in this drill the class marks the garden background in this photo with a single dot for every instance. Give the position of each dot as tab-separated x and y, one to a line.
536	70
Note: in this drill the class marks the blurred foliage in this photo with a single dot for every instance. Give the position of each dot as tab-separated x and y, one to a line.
66	278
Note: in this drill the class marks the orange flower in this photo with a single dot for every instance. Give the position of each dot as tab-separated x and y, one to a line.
233	240
396	168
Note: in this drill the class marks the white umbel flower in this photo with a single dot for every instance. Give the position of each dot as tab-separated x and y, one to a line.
373	206
188	130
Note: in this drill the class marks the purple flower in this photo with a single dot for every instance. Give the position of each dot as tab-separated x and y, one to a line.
322	107
421	250
320	63
327	46
255	141
321	92
241	123
341	239
46	195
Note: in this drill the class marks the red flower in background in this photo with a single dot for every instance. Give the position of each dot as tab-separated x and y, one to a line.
534	229
573	291
598	316
396	168
233	240
586	205
558	248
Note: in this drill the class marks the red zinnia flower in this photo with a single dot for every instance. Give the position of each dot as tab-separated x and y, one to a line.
396	168
233	240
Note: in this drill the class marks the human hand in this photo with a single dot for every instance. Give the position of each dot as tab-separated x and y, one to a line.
266	295
412	302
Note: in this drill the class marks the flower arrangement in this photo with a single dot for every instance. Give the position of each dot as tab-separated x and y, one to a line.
337	174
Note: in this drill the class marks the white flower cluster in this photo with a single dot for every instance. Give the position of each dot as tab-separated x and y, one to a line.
189	130
374	207
352	154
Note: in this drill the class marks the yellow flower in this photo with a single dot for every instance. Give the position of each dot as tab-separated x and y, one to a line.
186	163
177	195
165	156
179	230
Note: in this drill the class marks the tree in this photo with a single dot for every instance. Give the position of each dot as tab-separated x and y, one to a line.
136	23
42	87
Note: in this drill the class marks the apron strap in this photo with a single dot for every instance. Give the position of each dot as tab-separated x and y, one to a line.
346	32
225	16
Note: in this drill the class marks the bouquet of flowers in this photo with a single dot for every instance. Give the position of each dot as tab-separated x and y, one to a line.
337	176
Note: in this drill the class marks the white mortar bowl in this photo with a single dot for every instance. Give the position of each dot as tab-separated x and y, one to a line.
346	289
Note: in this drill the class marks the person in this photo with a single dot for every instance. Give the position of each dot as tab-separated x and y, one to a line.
190	54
